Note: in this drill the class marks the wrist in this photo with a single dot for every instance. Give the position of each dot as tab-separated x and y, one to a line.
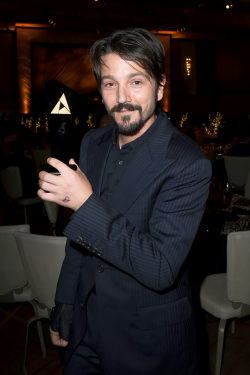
83	201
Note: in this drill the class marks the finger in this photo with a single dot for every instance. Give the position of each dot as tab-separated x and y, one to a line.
55	337
46	186
59	165
47	196
52	179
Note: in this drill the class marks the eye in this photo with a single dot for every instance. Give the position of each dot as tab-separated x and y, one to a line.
137	83
109	84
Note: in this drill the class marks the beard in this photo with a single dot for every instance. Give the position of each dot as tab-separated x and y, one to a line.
127	127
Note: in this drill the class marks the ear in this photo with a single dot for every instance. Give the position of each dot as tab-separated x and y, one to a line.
160	90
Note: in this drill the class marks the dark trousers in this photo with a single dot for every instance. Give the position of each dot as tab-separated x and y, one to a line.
85	359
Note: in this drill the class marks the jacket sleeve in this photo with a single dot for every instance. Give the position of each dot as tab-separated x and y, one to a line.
156	257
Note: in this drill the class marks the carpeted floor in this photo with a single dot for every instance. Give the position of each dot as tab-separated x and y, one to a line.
13	319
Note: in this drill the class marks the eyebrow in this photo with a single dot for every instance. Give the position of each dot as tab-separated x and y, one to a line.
131	75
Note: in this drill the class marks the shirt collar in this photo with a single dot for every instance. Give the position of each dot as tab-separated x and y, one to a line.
138	142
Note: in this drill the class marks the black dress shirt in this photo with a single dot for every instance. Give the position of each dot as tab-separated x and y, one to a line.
120	158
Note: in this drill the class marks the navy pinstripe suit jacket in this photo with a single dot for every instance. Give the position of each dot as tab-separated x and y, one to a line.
142	239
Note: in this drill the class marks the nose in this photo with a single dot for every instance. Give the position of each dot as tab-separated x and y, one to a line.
123	94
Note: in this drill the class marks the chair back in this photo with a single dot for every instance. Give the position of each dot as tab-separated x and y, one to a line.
12	274
237	168
40	157
52	209
247	186
11	181
238	267
42	258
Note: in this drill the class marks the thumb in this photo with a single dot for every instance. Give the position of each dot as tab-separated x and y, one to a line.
64	343
72	161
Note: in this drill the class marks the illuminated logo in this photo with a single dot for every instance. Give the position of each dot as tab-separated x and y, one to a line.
62	107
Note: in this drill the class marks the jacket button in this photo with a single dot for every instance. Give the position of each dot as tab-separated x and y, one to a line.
78	238
100	269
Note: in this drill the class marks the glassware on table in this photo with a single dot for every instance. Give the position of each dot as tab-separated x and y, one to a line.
227	190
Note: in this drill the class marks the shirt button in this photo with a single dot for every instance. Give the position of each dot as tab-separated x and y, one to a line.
120	162
100	269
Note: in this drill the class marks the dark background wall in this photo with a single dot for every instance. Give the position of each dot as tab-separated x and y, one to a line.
8	92
231	83
219	81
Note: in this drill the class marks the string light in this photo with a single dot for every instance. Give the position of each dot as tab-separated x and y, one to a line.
188	66
30	122
183	119
46	124
51	22
90	122
213	123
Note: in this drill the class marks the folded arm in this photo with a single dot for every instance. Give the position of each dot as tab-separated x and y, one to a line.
156	257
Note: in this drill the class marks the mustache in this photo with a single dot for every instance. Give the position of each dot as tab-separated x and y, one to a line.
129	107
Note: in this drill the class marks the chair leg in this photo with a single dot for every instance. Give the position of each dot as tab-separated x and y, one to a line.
31	320
39	328
233	326
41	338
220	344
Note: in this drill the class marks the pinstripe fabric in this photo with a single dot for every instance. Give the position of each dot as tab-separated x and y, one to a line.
141	239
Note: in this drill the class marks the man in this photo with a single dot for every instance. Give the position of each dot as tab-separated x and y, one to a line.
138	197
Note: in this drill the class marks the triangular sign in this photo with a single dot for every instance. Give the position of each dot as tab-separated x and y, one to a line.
61	107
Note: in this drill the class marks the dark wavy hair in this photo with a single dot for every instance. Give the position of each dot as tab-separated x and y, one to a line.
137	45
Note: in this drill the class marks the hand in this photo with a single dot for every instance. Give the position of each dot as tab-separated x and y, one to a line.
56	340
71	189
61	323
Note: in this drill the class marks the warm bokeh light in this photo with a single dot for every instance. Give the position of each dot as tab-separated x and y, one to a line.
165	104
188	66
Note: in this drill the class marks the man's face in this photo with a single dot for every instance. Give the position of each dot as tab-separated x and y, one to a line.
129	94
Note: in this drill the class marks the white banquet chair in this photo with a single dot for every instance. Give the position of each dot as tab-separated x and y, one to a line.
42	258
52	210
40	157
237	168
11	180
14	285
227	296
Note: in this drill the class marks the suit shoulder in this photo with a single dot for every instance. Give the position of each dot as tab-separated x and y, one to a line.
183	148
100	132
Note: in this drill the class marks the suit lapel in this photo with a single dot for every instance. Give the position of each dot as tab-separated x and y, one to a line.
149	162
98	152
